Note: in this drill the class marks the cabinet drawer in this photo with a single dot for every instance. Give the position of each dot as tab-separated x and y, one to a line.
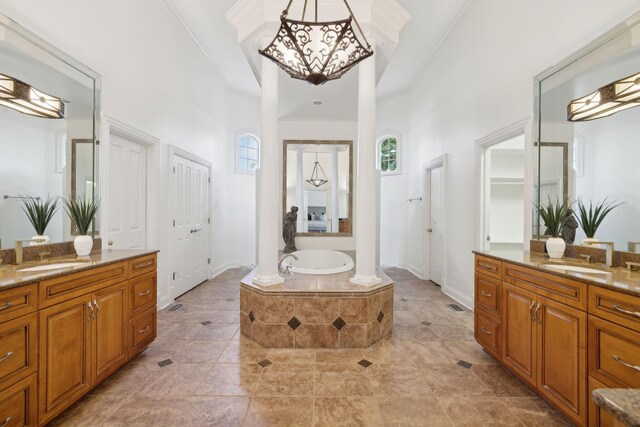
614	354
18	404
64	288
615	306
142	265
142	293
18	349
18	301
487	294
560	289
142	331
489	266
488	333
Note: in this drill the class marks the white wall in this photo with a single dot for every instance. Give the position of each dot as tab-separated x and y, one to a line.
318	130
480	81
155	80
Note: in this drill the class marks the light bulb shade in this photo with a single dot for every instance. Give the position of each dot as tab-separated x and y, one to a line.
609	99
316	179
26	99
316	51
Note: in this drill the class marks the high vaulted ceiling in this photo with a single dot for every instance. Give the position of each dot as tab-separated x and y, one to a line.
430	22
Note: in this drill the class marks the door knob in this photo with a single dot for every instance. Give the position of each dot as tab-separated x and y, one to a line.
429	230
110	243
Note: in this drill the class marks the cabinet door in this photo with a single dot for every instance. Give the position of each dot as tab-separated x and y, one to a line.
562	361
109	330
519	331
65	349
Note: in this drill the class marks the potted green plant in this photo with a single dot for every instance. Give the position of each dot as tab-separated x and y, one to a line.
39	214
590	219
82	213
555	217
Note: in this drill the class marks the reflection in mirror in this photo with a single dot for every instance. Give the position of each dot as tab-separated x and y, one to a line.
318	178
37	156
603	152
82	171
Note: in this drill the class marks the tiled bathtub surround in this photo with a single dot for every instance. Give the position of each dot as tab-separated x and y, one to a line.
215	378
310	311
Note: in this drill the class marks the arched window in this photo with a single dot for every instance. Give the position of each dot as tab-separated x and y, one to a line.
389	158
247	153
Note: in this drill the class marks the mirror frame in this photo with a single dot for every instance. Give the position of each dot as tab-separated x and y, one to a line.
286	144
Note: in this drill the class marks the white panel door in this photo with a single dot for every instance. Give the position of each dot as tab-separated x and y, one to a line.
127	194
190	198
436	242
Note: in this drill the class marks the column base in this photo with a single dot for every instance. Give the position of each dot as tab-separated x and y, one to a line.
365	280
268	281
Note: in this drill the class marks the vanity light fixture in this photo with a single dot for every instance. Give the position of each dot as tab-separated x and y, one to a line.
26	99
608	100
315	179
317	51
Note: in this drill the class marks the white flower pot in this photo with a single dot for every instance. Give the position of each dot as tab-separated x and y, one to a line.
587	241
45	238
555	247
83	245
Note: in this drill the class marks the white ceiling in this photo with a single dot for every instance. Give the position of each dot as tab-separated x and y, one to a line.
430	22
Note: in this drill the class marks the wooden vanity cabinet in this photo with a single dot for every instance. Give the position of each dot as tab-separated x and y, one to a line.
544	333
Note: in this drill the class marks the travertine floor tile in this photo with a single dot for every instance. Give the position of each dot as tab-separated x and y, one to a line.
286	380
533	411
339	379
501	382
280	412
90	411
473	412
347	411
412	411
230	379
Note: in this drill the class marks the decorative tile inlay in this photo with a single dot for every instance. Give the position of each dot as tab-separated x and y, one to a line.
365	363
206	322
165	362
456	307
425	323
264	363
251	316
294	323
339	323
464	364
175	307
380	317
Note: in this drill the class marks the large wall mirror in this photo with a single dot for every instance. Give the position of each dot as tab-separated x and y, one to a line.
48	101
318	179
588	129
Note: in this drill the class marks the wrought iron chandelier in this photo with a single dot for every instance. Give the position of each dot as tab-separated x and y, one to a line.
26	99
317	51
608	100
316	180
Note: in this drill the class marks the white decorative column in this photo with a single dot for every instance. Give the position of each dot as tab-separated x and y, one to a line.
268	217
334	190
300	192
366	200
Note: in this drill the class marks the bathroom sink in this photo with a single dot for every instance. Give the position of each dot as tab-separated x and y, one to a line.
54	266
576	269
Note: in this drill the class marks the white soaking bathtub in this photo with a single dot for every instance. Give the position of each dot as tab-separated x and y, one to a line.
319	261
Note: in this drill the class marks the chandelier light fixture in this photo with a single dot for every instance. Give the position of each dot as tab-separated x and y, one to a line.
26	99
317	51
316	180
608	100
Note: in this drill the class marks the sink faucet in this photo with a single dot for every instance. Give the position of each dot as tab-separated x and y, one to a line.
609	248
281	260
19	247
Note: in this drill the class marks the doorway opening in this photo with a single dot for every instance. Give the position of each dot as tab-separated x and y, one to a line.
435	190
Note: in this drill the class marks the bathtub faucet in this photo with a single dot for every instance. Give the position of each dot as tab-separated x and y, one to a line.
286	269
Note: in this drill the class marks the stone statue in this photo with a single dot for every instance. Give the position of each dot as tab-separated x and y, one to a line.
569	229
289	228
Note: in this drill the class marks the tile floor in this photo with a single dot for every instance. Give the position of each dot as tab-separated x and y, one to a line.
214	377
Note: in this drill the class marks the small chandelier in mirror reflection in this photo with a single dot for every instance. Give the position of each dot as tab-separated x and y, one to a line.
316	180
317	51
26	99
608	100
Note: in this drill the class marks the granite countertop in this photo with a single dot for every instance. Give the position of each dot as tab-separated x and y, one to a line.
615	278
11	276
623	403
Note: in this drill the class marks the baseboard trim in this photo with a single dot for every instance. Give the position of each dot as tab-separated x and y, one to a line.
221	269
164	301
458	296
412	269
